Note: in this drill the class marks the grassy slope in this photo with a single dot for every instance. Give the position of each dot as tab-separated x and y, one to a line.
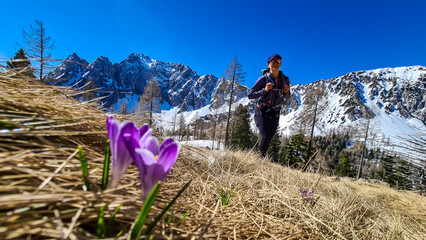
41	191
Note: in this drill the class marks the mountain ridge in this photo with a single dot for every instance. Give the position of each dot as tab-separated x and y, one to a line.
180	85
350	99
392	98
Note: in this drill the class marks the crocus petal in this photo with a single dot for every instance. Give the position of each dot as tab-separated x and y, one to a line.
112	127
144	138
153	145
130	128
168	155
144	129
146	158
120	156
154	174
166	143
132	143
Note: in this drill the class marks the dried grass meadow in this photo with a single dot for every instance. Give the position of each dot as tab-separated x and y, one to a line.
41	193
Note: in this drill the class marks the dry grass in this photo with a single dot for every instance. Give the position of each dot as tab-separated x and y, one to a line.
41	194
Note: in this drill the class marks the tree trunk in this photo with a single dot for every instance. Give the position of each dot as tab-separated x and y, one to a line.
229	109
214	131
312	131
174	124
363	152
150	108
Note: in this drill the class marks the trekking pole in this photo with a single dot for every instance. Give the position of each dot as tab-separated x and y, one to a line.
306	164
251	150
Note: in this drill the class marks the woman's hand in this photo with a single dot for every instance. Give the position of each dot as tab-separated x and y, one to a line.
286	88
268	87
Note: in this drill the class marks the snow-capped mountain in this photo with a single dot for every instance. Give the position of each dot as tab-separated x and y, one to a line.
180	85
393	99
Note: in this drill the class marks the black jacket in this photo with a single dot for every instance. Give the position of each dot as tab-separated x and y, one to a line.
274	98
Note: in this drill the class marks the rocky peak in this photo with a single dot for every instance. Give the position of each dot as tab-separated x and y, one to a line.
364	94
101	64
180	85
76	59
72	67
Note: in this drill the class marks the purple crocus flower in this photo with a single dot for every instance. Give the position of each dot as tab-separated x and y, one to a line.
120	155
153	161
306	194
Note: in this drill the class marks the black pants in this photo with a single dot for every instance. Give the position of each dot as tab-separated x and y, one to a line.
267	123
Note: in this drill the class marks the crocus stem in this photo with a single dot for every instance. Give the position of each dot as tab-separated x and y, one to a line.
167	207
112	218
83	167
106	166
143	214
100	232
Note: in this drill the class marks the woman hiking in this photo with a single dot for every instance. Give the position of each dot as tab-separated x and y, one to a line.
272	89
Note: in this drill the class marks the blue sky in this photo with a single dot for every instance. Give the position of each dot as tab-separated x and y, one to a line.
317	39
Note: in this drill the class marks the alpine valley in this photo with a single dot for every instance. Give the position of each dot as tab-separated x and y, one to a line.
393	99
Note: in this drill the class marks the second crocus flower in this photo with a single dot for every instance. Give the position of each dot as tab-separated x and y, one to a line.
120	155
154	161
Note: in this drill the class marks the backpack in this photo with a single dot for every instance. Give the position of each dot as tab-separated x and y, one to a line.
262	102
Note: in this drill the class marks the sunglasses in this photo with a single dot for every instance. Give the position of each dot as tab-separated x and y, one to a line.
278	61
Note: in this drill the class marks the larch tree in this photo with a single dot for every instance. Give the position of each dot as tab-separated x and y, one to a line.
415	152
37	45
175	119
124	109
364	148
182	126
233	74
151	99
315	105
215	120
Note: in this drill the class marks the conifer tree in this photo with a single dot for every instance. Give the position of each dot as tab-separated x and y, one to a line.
387	171
151	99
242	135
37	45
20	63
283	155
345	165
403	173
395	171
234	74
274	148
296	150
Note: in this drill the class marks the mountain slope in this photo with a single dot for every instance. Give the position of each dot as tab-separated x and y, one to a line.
393	98
42	194
125	81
